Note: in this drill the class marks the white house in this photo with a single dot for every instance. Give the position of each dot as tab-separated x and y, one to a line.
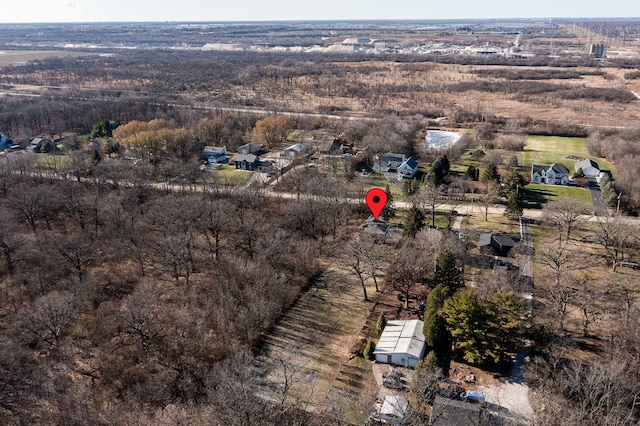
555	174
589	168
408	169
401	343
388	162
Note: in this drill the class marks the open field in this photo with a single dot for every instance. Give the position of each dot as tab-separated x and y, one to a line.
546	150
16	57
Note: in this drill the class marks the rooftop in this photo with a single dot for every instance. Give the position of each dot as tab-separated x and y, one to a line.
402	337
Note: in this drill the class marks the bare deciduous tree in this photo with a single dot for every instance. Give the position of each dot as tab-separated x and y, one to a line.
49	315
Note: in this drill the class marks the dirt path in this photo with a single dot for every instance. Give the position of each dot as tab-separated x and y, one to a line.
310	346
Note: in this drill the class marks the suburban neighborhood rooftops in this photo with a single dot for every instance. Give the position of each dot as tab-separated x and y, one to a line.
402	337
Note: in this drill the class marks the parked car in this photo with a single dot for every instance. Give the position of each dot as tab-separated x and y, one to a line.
474	396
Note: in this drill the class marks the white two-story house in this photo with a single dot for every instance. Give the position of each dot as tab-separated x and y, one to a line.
555	174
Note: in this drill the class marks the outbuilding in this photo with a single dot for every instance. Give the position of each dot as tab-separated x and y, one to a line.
393	409
589	168
401	343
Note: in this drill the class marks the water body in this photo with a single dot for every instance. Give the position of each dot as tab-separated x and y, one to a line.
439	139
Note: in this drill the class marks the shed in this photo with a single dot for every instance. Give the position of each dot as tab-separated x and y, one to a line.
500	243
293	151
393	409
401	343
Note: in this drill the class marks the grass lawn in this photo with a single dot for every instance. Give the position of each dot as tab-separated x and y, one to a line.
230	175
546	150
380	181
539	194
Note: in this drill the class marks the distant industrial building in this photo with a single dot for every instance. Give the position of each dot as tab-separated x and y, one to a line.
598	51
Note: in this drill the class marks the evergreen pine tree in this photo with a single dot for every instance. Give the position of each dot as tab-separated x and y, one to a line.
414	222
380	325
447	273
388	211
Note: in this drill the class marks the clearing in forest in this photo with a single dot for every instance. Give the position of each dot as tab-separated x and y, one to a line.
304	354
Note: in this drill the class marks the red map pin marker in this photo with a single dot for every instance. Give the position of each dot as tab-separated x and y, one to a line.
376	200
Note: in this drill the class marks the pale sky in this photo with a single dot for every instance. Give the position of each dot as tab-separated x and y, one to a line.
268	10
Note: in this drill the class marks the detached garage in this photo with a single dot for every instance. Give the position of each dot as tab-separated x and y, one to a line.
401	343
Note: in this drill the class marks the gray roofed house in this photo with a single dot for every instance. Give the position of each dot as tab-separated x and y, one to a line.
401	343
388	162
246	162
555	174
408	169
589	168
453	412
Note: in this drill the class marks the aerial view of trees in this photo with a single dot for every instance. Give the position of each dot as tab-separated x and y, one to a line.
138	285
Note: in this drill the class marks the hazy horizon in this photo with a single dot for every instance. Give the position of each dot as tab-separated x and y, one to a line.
89	11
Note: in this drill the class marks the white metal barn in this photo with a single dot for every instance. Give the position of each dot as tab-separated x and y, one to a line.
401	343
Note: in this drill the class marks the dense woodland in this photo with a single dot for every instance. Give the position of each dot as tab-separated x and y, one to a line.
117	298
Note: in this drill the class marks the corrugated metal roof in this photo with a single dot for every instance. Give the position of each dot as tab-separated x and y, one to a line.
402	337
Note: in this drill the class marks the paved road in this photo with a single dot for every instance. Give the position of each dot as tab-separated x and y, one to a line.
599	207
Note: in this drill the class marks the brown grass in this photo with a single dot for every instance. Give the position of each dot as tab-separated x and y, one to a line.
16	57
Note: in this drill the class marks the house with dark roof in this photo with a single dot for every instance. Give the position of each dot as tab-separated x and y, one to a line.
555	174
248	162
454	412
408	169
499	243
388	162
589	168
251	163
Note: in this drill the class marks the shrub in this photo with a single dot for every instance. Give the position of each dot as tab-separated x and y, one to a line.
367	352
380	325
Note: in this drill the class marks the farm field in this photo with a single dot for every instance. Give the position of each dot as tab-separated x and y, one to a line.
15	57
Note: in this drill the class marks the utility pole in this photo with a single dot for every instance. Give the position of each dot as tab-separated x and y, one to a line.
618	208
